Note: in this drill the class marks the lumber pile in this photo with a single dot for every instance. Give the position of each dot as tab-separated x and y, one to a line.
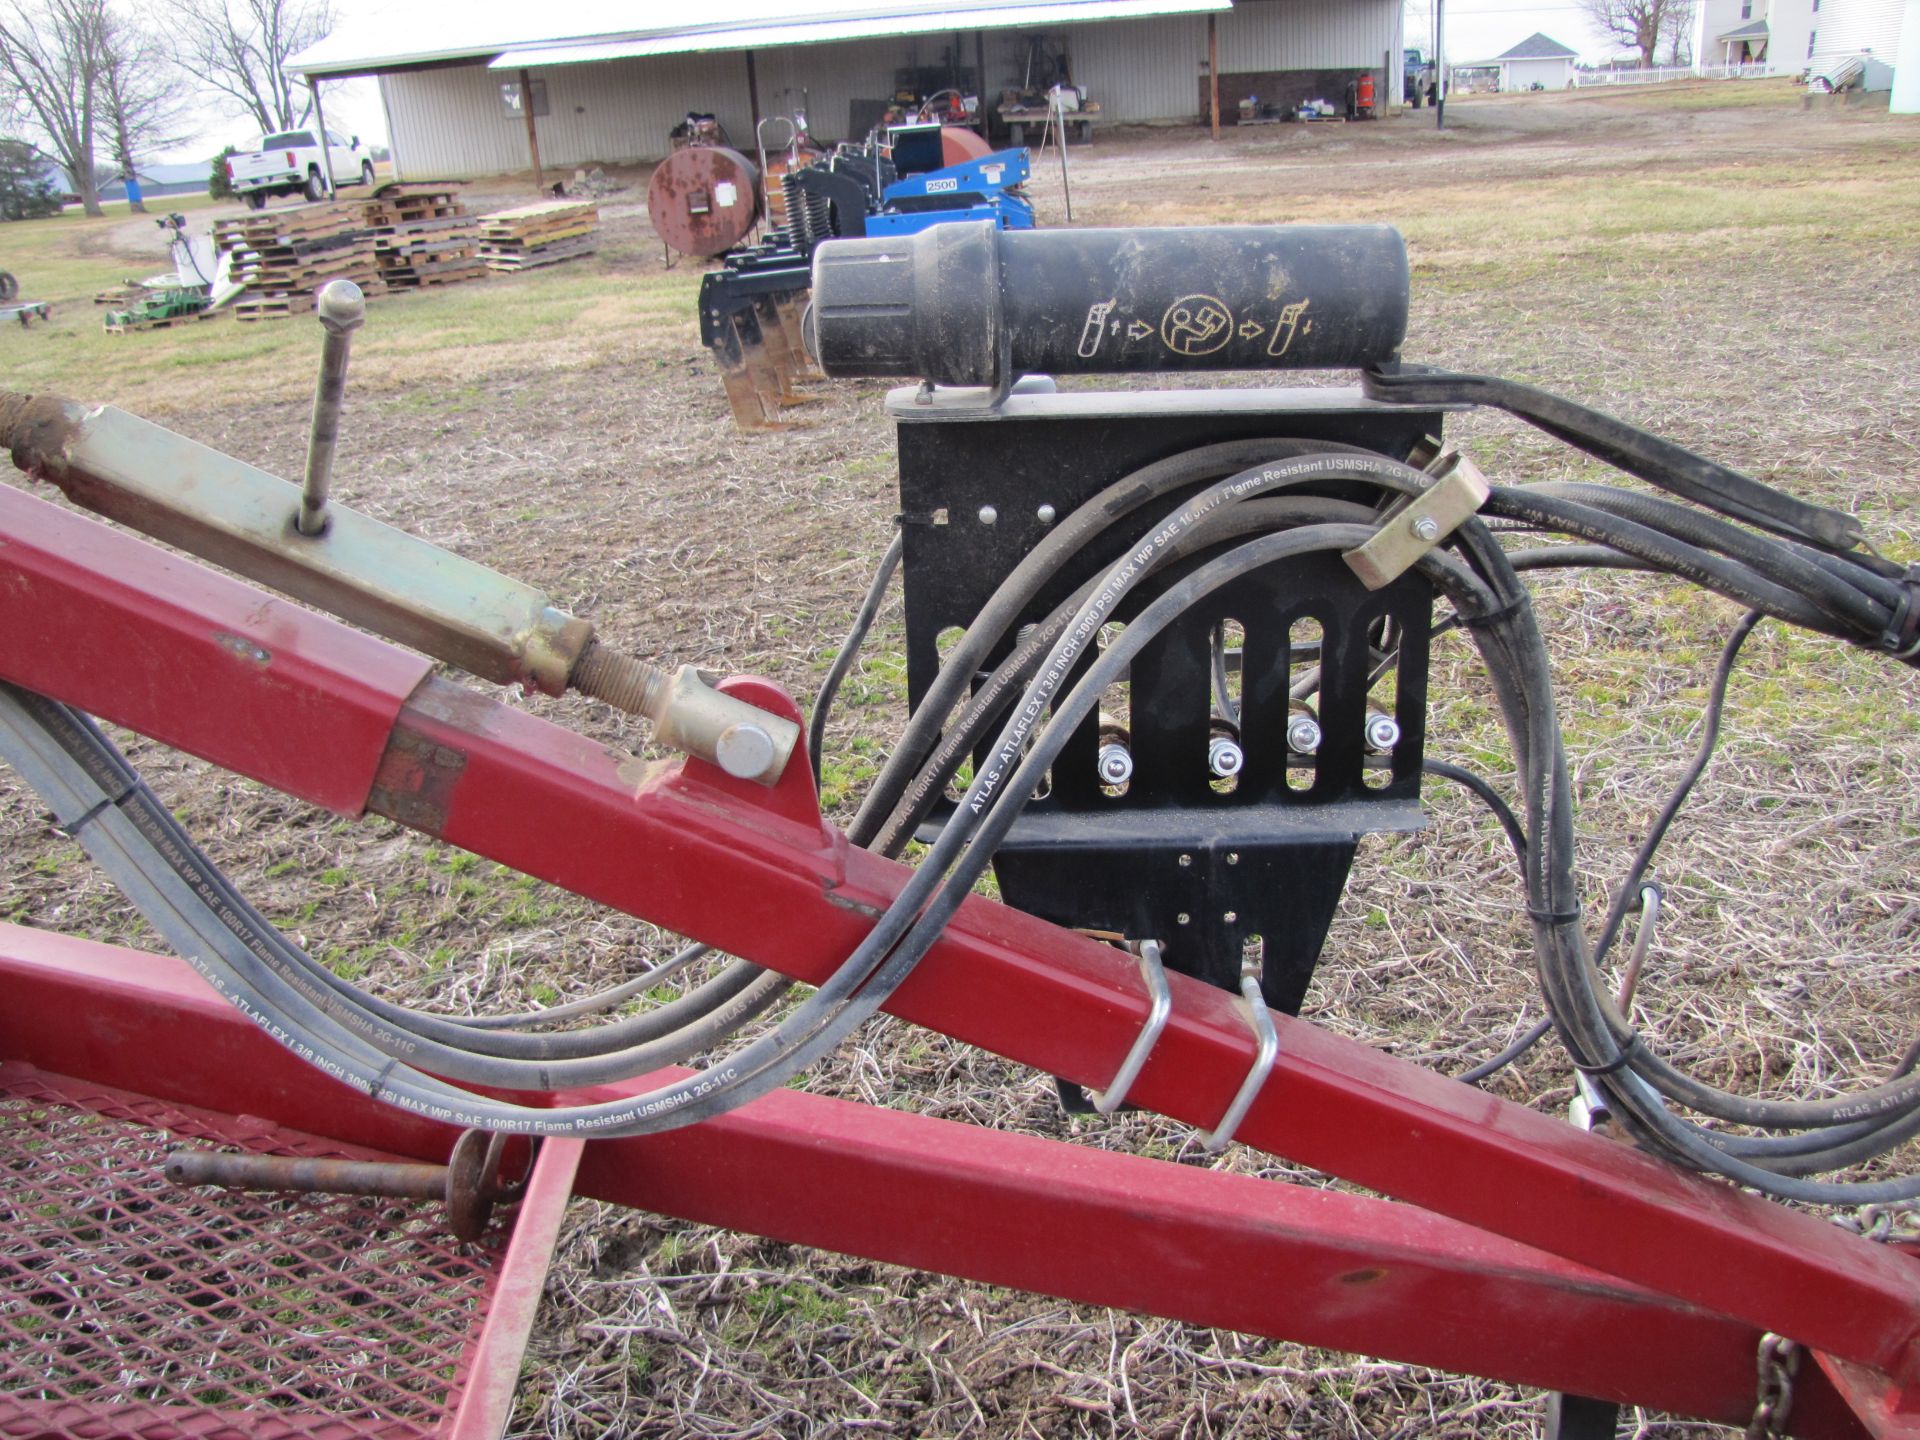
423	237
398	239
544	234
284	256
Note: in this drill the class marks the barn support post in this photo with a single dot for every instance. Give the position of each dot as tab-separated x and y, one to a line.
393	138
1439	64
326	143
1213	73
533	135
753	98
980	82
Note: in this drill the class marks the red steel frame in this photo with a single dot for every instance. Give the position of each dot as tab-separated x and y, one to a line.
1529	1250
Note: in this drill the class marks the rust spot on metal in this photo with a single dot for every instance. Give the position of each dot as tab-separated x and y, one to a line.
453	704
704	199
469	1182
243	647
38	429
12	405
416	779
1369	1276
636	774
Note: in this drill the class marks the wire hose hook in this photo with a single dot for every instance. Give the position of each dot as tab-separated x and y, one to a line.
1266	1051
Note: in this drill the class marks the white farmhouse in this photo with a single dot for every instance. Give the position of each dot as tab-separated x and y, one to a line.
1795	36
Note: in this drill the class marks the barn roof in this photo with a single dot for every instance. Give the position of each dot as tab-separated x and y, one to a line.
510	33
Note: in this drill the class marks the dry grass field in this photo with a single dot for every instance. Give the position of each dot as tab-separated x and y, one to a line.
1709	261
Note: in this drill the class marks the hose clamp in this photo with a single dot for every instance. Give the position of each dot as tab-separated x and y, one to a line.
1416	526
1902	640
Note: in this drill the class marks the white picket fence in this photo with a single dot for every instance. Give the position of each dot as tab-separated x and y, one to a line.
1654	75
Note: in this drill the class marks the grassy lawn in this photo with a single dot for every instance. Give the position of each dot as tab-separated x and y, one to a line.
557	319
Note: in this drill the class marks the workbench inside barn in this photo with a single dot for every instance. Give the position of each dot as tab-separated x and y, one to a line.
1077	123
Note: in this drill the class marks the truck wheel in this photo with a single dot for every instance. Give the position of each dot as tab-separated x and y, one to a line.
316	187
256	199
366	173
9	287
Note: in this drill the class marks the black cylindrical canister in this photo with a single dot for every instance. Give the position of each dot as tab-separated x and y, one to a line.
970	304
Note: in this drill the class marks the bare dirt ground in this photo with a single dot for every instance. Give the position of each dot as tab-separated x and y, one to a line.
1560	239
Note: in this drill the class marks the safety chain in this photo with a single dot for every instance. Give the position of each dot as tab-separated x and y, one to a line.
1779	1359
1888	1224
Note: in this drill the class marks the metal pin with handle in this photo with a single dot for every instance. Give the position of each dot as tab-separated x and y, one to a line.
469	1182
341	310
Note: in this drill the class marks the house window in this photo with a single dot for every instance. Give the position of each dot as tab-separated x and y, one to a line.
510	98
1810	39
1746	9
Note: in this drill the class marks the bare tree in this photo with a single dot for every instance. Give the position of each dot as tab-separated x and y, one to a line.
1677	27
51	57
241	47
142	98
1642	24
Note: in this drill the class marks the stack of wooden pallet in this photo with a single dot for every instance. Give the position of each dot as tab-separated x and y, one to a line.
423	237
284	256
542	234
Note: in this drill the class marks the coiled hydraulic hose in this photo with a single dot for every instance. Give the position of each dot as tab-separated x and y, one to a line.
231	946
1805	572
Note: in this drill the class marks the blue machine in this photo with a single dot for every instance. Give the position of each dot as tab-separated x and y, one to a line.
982	189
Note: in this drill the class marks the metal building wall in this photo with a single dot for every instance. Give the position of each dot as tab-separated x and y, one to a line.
1307	34
1146	70
451	123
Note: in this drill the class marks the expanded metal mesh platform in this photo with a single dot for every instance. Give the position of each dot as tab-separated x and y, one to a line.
129	1306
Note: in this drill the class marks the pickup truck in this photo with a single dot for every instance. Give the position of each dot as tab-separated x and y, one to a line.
1417	77
289	164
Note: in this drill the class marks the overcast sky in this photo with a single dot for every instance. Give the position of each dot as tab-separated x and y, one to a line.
1481	29
1476	30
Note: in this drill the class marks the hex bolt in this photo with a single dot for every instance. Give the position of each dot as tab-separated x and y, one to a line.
1383	732
1426	528
1224	756
1303	735
341	310
1115	764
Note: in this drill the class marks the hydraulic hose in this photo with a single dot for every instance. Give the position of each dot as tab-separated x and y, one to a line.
1004	608
1626	447
849	649
997	691
1704	568
321	1030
